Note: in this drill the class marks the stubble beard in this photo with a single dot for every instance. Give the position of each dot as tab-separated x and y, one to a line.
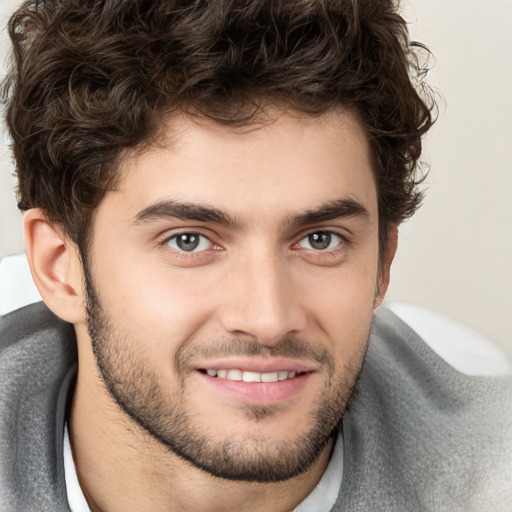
165	416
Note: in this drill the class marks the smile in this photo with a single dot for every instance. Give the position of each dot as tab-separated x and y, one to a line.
246	376
243	382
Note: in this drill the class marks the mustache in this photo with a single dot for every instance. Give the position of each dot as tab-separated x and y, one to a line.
288	347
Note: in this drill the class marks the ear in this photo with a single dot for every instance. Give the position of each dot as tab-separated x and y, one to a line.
385	265
55	265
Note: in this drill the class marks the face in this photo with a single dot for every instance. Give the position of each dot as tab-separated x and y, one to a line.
232	278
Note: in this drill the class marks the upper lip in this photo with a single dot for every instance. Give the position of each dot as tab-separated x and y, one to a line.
258	364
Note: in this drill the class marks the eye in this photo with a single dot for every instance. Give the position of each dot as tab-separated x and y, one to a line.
320	241
189	242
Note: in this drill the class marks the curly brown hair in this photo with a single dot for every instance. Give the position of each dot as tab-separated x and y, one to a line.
91	78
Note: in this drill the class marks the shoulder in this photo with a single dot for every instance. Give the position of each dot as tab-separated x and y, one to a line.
430	426
466	350
33	327
37	368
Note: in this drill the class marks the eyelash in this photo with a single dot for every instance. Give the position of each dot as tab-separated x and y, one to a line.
342	240
189	254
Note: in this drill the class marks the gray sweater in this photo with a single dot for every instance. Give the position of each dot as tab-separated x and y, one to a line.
418	435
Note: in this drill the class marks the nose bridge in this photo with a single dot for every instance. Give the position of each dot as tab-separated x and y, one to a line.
263	302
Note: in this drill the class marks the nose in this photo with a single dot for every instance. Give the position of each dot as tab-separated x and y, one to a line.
262	300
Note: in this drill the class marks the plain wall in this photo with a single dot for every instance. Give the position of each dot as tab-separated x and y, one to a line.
455	255
11	239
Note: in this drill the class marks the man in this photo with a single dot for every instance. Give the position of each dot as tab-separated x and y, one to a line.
213	193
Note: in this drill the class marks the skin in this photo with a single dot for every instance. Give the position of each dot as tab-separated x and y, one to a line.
255	277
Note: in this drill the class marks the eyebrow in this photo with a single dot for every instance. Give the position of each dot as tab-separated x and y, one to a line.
337	209
185	211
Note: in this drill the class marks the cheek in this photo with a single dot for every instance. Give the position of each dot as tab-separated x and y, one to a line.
343	304
158	305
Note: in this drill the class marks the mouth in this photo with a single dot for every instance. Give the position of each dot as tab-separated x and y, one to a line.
235	374
256	382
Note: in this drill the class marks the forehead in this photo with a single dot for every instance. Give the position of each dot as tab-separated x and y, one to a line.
289	163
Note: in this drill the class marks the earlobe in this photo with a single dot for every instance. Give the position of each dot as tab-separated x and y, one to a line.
386	261
55	266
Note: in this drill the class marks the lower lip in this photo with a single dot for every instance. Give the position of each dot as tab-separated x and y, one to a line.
262	393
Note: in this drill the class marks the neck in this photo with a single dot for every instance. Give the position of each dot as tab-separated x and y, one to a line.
122	467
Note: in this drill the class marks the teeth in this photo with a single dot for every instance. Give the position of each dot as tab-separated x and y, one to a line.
234	375
250	376
269	377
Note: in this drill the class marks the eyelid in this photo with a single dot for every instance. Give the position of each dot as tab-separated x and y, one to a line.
166	237
200	245
341	233
335	237
172	232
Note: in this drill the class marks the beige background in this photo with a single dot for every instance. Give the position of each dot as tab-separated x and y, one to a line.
455	256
